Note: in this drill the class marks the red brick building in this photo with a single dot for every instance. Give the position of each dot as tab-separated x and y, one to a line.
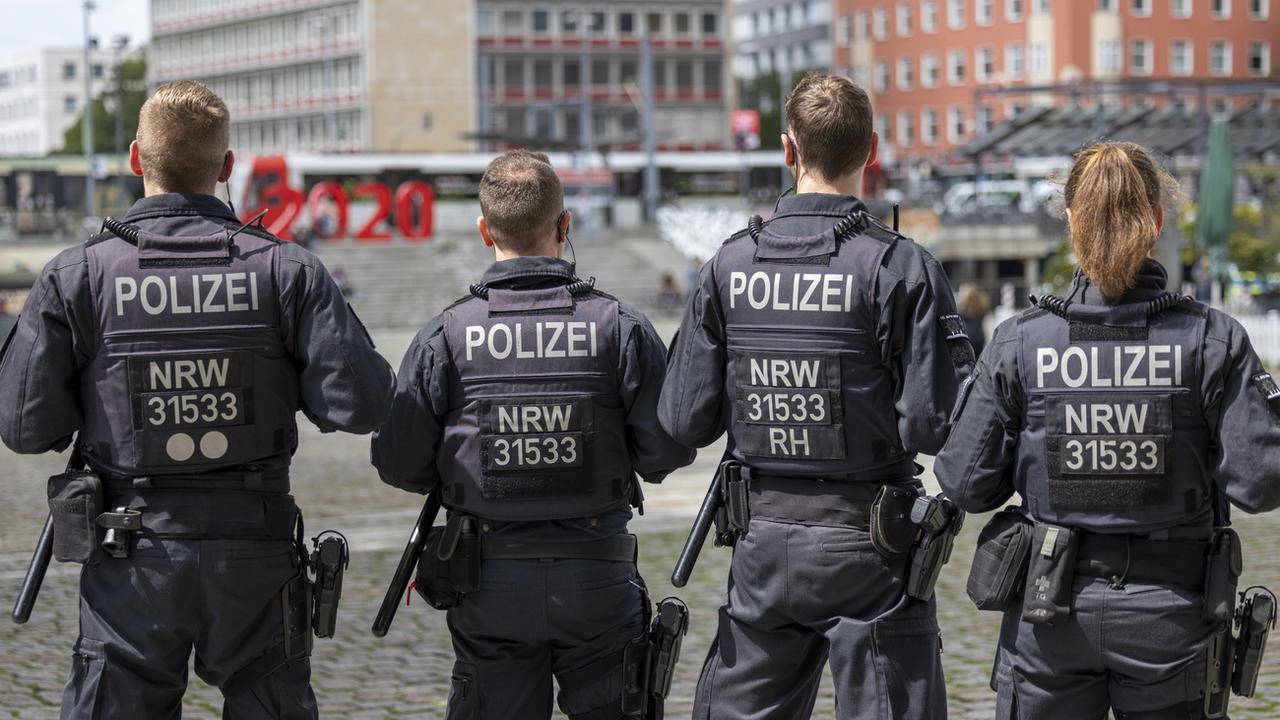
923	60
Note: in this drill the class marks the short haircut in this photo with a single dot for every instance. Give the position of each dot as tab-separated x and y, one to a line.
521	198
184	131
830	120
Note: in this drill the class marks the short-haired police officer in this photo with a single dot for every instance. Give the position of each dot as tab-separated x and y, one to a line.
530	405
828	347
180	347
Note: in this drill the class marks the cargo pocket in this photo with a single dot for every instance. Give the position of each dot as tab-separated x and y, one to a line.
464	696
84	688
910	669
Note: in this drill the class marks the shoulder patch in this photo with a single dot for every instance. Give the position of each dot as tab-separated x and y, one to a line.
1266	387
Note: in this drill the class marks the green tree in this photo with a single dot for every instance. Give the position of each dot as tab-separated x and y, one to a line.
1254	243
765	92
134	75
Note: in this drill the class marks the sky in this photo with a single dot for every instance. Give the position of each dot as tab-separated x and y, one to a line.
31	24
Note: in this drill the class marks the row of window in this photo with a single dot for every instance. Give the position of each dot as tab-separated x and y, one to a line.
303	31
20	108
20	143
1182	58
606	123
300	134
291	86
71	69
518	21
521	73
903	132
787	59
168	10
782	18
1183	9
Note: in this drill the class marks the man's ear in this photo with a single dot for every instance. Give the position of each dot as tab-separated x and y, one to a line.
228	162
135	163
875	148
483	227
1159	219
788	151
562	229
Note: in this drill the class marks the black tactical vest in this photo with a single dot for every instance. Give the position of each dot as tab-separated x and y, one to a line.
535	428
191	374
807	390
1114	438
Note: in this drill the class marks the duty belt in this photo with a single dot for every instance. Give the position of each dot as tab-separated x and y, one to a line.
1179	563
175	513
617	548
813	501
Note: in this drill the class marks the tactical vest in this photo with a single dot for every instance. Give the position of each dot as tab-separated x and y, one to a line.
807	390
1113	438
191	374
535	428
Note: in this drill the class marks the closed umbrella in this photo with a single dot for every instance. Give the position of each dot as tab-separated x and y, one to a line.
1217	200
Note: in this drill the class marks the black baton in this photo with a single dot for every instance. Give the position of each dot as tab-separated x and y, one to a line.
408	562
35	574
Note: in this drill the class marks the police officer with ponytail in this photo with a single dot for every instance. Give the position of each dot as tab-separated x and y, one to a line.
1128	419
530	406
177	346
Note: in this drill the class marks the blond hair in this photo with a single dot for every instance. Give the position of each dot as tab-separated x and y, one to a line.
184	131
1114	193
830	118
521	198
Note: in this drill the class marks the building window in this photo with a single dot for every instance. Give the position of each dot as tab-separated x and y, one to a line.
1180	8
984	119
1259	59
600	73
1220	57
653	24
572	74
984	11
712	72
984	64
1259	9
569	22
842	31
1041	7
626	23
882	76
860	25
1013	10
860	75
1181	58
68	71
929	127
628	72
512	22
542	74
881	126
1109	56
906	73
929	16
684	75
1141	8
929	70
710	24
599	23
955	123
905	131
955	67
904	21
98	71
69	104
541	22
1014	61
1140	57
880	20
682	23
1220	9
513	73
1039	61
1107	5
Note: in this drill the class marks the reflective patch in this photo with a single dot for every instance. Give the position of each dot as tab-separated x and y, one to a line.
957	337
1266	386
191	408
789	405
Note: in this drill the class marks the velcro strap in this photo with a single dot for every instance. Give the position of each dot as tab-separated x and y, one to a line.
126	520
183	252
616	548
68	505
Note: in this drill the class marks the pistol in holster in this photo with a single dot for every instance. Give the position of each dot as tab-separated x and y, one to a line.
649	662
1234	657
329	560
733	517
939	520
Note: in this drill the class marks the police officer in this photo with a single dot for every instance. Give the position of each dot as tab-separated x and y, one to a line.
1128	419
179	346
827	345
531	405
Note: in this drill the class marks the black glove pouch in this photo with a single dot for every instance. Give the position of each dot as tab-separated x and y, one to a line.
1221	575
1050	575
999	568
434	583
75	502
892	532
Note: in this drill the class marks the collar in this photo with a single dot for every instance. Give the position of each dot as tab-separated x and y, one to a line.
818	204
528	271
1150	283
178	204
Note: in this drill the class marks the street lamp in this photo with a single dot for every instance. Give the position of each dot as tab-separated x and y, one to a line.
90	202
119	44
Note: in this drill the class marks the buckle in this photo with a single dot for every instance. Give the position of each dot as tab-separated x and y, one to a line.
121	519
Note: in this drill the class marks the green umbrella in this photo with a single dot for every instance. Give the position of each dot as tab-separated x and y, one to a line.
1217	196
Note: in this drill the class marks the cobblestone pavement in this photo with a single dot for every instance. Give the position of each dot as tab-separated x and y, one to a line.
407	673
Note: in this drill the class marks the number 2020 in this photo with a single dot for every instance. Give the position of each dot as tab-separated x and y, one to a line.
411	196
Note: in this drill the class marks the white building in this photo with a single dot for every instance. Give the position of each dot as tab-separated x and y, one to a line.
41	95
784	36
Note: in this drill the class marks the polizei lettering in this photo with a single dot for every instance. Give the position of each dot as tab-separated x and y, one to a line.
799	292
547	339
194	295
1124	366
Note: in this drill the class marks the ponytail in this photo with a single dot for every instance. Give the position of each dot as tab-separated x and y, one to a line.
1114	193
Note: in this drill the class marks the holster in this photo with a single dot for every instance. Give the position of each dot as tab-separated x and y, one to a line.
1050	575
649	662
892	532
733	517
296	600
460	547
1255	617
999	568
1222	575
939	520
75	502
1217	673
329	560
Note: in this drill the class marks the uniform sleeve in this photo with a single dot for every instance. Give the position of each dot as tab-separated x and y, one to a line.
404	449
40	406
654	454
924	344
1242	408
976	463
345	384
691	403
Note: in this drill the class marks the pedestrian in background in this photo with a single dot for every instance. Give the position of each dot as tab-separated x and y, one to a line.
974	303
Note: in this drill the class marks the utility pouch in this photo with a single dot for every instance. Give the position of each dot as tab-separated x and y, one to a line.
329	559
75	502
999	567
1050	575
892	532
1217	673
1221	575
295	600
939	520
733	517
1255	617
434	583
